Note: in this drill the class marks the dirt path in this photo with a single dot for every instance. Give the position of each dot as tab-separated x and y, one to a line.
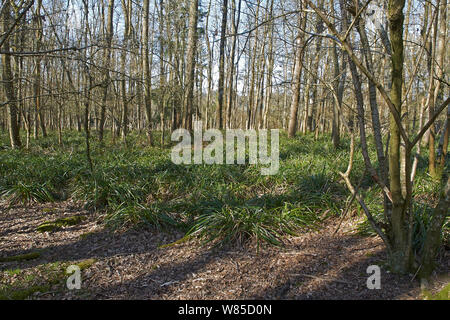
132	264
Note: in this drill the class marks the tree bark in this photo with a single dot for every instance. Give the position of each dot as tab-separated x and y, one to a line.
221	85
190	61
7	79
107	62
401	257
433	235
147	73
296	81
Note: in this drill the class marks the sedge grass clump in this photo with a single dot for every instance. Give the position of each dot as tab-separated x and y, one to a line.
129	214
26	193
103	189
238	224
31	176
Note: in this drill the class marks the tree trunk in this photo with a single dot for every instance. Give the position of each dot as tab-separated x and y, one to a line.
433	235
221	88
443	147
7	79
441	52
296	81
147	72
37	81
190	61
400	257
107	62
127	9
235	26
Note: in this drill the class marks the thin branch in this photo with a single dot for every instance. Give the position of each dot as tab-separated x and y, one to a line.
345	45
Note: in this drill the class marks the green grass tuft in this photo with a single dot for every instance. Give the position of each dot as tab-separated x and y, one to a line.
239	224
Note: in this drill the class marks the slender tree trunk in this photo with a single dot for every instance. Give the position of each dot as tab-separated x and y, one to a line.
441	52
127	9
7	79
221	89
335	134
296	81
37	84
107	63
431	99
147	72
235	26
210	65
443	147
162	81
270	69
87	87
190	67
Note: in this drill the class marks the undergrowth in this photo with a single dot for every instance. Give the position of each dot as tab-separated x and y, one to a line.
139	185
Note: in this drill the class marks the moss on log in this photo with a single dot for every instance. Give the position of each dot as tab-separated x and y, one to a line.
22	257
49	226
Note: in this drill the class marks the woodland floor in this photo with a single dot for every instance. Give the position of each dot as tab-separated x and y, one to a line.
133	265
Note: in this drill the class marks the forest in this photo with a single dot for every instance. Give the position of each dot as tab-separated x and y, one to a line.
224	150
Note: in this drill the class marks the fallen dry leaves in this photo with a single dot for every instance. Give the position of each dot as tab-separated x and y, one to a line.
131	264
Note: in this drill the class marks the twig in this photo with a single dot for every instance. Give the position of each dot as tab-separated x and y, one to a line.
319	278
169	283
347	209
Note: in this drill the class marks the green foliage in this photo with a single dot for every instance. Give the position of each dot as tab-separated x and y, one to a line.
13	272
241	223
135	213
26	193
139	185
